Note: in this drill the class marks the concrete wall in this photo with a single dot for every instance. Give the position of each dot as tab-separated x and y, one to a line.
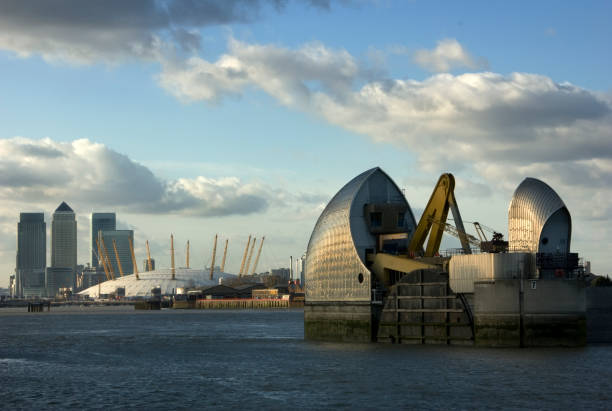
546	313
599	314
338	321
497	313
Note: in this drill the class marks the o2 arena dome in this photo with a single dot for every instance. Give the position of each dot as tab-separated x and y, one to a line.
141	287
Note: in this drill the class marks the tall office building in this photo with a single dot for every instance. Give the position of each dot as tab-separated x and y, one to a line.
57	278
100	222
31	255
122	241
64	237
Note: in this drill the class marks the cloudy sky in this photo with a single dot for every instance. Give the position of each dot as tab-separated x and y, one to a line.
243	117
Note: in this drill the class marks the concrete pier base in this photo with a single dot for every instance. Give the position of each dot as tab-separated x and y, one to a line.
338	321
529	313
599	315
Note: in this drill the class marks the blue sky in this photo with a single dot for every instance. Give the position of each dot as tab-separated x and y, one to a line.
296	100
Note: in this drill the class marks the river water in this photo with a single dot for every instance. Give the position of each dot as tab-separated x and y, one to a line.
119	358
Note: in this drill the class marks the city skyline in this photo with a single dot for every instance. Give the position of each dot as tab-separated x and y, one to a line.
105	222
246	117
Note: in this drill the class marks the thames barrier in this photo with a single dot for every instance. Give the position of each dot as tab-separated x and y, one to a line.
371	277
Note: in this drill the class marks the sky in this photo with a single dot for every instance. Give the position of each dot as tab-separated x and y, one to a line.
238	117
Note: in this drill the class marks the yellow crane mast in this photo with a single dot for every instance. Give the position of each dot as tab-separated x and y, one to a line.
172	256
224	255
258	255
246	250
187	256
149	263
134	259
248	264
118	259
102	260
107	258
212	264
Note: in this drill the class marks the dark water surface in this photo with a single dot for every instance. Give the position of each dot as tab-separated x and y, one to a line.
118	358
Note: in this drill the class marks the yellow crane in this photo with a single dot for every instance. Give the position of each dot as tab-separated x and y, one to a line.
433	220
248	264
258	255
172	256
118	259
246	250
431	227
224	255
149	263
134	259
212	264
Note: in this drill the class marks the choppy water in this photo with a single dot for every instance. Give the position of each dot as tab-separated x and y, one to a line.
119	358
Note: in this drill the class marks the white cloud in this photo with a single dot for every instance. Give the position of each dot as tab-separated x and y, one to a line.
289	75
37	174
448	55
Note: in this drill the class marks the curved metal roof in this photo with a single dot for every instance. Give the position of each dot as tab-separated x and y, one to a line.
533	203
334	260
184	277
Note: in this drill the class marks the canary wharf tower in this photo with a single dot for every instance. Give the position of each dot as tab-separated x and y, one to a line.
64	237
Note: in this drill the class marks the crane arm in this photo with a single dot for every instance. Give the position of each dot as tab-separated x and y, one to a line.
434	216
455	231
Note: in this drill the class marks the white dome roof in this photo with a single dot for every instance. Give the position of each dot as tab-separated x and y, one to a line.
184	277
